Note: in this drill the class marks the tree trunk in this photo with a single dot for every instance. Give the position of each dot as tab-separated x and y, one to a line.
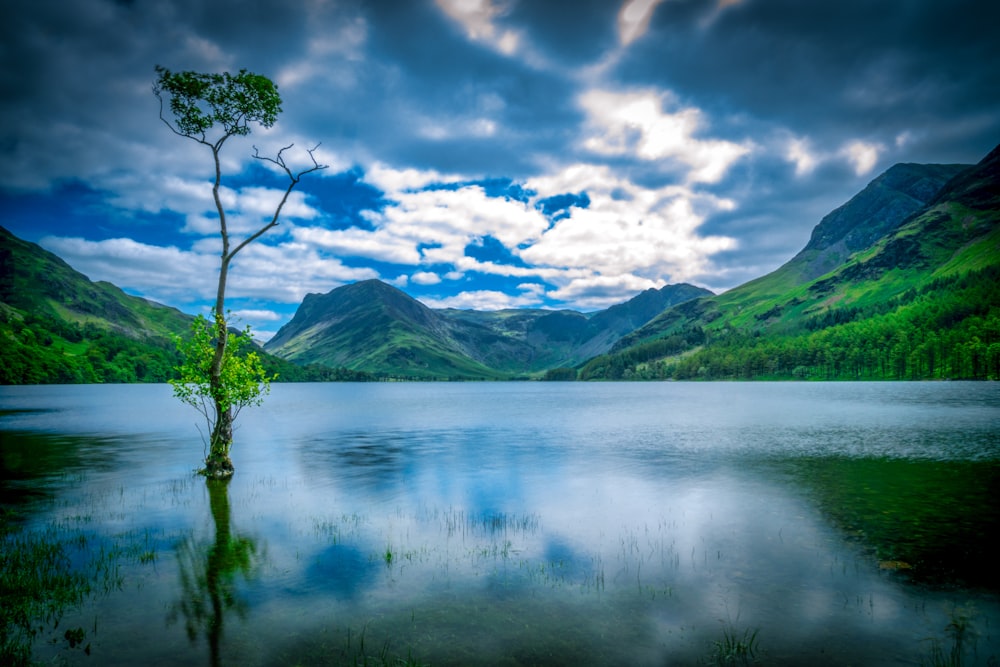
218	465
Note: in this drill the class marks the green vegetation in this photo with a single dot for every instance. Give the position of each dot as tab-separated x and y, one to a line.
900	283
961	634
209	574
45	573
36	585
241	381
377	328
735	647
912	534
44	350
948	329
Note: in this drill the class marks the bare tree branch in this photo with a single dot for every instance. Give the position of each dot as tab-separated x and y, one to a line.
293	178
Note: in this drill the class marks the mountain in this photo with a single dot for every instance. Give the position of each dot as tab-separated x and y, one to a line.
899	282
374	327
57	326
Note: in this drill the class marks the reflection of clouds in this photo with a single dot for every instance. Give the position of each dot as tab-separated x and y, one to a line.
342	570
637	514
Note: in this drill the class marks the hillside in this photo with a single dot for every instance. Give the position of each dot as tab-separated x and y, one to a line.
377	328
57	326
899	283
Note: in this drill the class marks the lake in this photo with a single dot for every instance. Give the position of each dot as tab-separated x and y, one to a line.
515	524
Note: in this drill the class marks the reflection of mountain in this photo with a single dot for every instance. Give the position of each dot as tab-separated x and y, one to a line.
29	462
929	519
209	574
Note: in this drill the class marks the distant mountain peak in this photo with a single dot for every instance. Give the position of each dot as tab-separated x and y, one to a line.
372	326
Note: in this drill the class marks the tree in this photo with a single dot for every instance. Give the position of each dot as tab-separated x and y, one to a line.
242	381
210	109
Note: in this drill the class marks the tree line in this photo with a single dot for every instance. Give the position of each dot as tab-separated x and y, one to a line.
38	349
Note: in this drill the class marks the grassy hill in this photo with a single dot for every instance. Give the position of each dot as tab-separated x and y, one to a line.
899	283
57	326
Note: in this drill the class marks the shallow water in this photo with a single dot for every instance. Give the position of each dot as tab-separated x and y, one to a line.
521	523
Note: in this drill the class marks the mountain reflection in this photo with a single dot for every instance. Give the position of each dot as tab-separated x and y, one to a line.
210	573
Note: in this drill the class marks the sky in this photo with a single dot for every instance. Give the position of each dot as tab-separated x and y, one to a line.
481	154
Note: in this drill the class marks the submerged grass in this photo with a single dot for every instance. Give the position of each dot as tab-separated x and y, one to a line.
37	584
45	573
736	647
961	634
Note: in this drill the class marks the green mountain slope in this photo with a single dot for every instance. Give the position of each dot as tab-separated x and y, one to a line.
57	326
377	328
900	282
374	327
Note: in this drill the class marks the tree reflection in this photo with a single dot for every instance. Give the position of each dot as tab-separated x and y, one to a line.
209	573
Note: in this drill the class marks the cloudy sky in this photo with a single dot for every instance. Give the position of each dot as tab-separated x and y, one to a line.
482	153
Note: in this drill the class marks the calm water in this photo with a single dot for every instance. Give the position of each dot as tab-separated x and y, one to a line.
520	523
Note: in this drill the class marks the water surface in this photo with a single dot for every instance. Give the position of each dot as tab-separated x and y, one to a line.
520	523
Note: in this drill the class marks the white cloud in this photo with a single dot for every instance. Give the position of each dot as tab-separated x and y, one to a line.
478	18
443	127
630	236
380	245
602	291
428	227
863	156
485	300
799	153
627	229
288	271
635	124
248	314
633	19
393	181
284	273
155	271
425	278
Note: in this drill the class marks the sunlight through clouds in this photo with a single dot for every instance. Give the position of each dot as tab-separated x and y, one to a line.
799	153
634	123
863	156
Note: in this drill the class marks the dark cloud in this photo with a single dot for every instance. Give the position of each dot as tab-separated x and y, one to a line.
819	68
813	100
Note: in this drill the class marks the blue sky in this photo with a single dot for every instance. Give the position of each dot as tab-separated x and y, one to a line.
483	153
